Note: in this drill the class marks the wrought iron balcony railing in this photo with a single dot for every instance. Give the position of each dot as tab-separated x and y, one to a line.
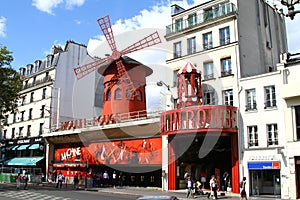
218	12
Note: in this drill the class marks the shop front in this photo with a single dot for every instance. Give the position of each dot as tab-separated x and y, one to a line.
265	178
132	149
24	155
139	160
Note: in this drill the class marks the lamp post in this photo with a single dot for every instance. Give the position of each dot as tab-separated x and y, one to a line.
290	6
173	95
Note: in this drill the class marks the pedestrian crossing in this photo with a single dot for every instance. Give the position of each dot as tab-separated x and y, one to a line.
30	195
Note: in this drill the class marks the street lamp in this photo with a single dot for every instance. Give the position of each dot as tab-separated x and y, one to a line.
173	95
290	6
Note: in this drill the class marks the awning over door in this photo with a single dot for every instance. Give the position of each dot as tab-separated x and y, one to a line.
24	161
23	147
34	146
14	147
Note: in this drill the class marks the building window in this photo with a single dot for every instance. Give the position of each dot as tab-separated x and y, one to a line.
191	43
252	136
228	97
14	117
44	93
224	36
26	84
118	93
139	95
209	97
177	49
13	133
31	97
22	116
192	19
175	80
297	118
226	67
23	101
272	134
43	111
207	41
33	80
41	128
108	95
178	24
270	96
29	130
30	114
251	99
208	70
21	134
4	134
208	14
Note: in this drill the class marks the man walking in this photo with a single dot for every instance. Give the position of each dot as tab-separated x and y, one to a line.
60	180
213	187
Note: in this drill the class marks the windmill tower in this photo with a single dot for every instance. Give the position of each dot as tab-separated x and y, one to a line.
124	78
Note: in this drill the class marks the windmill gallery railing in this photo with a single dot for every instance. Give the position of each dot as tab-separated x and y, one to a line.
111	119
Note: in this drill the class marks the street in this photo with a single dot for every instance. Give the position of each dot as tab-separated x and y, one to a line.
49	192
8	192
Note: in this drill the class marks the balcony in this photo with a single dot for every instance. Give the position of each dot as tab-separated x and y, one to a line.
201	19
38	82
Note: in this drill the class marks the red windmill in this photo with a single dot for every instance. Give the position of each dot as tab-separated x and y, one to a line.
124	78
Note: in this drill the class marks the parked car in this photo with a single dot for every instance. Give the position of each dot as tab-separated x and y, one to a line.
157	198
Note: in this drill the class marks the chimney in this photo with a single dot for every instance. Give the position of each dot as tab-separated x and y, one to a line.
56	49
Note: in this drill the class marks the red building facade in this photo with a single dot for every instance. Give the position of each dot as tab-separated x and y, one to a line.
202	139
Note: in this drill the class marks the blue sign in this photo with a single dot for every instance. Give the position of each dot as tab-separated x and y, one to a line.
260	165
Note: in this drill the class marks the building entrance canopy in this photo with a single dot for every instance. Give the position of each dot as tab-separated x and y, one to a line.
32	161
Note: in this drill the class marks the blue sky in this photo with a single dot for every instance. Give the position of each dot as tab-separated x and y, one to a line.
29	28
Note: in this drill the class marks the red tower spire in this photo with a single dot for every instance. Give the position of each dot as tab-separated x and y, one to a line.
189	86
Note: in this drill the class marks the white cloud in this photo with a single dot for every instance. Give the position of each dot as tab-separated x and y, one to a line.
2	26
71	3
48	5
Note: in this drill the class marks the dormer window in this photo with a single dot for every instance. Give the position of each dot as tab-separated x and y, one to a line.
37	64
22	71
49	60
29	69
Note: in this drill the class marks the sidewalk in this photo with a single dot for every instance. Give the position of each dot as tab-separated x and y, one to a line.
136	191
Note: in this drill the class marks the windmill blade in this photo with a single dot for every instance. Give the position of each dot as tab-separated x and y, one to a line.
82	71
124	78
148	41
105	26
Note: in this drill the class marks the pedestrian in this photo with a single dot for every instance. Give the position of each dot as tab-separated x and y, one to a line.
121	179
243	190
54	175
186	176
203	179
26	179
213	187
80	179
59	180
18	180
105	178
114	179
189	188
76	181
226	180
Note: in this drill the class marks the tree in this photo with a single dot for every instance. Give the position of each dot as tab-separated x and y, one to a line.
10	83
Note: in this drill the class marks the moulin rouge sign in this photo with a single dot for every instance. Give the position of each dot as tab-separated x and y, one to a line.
197	118
70	153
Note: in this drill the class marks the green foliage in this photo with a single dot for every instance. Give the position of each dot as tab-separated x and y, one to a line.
10	83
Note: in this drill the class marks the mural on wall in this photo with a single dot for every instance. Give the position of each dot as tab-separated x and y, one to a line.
138	151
